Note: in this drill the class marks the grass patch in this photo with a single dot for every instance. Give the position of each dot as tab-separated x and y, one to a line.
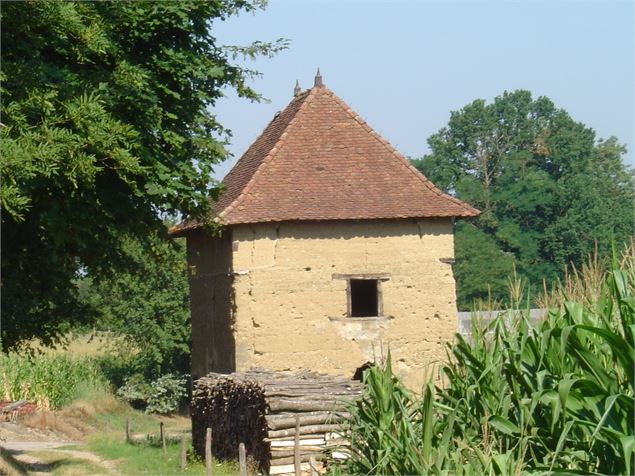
108	416
104	421
148	458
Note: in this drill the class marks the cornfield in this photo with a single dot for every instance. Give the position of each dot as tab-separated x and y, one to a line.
49	380
556	397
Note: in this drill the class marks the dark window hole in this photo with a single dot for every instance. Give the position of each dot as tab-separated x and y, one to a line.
364	301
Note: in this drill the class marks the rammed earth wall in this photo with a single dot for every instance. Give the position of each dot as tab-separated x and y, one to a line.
209	259
289	296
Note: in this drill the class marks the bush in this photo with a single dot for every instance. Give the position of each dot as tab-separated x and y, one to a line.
135	392
163	395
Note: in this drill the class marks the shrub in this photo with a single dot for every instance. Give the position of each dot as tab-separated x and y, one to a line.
117	368
163	395
167	393
135	391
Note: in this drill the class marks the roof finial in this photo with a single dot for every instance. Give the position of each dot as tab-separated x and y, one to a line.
297	90
318	79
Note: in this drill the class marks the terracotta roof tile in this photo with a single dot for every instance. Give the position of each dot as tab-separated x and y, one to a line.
318	160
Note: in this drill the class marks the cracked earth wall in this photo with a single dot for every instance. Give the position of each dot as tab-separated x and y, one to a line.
290	312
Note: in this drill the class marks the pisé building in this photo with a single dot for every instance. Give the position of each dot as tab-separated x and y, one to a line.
332	249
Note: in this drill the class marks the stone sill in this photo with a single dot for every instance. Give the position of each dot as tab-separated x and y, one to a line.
360	319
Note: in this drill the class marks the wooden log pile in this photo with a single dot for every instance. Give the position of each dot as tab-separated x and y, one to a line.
265	409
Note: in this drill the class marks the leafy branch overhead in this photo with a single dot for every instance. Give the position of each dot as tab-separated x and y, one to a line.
107	125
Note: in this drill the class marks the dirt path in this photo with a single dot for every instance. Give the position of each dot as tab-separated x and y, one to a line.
17	451
22	445
21	453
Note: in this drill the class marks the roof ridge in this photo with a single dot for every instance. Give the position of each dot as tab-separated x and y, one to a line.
425	180
308	95
271	183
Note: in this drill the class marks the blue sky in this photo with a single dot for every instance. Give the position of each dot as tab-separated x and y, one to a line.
403	66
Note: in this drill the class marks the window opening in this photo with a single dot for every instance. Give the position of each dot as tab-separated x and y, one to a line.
364	300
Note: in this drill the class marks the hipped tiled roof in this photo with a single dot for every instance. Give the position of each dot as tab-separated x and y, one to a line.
318	160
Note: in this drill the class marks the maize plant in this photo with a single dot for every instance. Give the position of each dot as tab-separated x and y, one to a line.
556	397
51	381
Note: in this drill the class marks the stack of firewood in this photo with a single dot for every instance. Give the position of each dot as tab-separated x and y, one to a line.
272	413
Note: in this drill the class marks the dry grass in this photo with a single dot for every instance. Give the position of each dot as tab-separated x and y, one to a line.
585	284
87	416
94	344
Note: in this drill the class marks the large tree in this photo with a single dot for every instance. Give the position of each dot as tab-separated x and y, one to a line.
148	303
549	191
106	126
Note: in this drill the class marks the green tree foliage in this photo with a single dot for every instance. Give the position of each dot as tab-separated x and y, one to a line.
548	190
106	125
490	265
147	305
